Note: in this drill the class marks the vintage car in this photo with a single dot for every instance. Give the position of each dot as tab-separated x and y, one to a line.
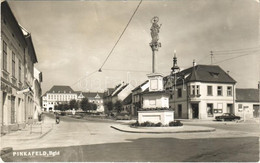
227	117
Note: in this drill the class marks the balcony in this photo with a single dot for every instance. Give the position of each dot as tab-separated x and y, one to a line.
194	97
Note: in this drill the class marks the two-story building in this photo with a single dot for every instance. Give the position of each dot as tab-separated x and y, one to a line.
17	68
201	92
58	94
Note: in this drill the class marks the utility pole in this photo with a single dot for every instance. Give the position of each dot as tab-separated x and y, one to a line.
211	57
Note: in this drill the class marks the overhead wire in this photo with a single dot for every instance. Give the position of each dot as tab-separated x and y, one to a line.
120	36
235	53
88	75
235	50
99	70
236	57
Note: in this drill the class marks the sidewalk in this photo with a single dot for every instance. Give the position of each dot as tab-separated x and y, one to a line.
31	132
162	130
200	121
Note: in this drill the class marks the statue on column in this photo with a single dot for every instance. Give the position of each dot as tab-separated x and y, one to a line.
155	29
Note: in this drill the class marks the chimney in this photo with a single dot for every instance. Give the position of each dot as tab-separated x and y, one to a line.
194	63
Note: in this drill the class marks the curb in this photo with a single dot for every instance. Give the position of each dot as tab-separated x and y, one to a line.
34	138
165	132
39	137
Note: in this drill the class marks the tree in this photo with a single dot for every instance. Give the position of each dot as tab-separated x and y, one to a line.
110	105
66	107
118	106
73	104
94	106
84	104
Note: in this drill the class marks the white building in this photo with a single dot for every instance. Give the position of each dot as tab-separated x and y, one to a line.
201	92
137	97
122	92
247	103
58	94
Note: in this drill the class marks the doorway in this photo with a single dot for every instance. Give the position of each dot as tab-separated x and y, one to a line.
195	111
230	108
179	111
256	111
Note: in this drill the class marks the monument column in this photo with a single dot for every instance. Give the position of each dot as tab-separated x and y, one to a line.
155	29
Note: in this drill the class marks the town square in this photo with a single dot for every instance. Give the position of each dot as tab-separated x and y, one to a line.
130	81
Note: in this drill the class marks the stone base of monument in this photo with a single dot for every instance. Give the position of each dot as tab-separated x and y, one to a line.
156	116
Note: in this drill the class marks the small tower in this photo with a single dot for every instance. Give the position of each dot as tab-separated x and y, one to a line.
175	67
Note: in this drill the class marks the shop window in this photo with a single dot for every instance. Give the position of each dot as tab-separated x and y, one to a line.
210	110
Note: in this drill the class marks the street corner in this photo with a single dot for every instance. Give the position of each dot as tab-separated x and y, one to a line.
162	130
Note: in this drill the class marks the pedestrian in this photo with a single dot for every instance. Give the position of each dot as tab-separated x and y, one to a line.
57	118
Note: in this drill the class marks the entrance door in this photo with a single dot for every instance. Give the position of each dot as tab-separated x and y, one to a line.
230	108
256	111
195	111
179	111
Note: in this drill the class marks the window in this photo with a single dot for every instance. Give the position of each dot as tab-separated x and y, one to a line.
219	90
198	89
4	56
171	96
193	90
179	92
229	91
20	71
210	91
13	64
210	110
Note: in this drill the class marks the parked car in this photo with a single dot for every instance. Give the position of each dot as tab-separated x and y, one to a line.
227	117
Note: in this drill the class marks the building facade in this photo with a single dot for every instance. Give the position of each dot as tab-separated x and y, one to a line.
247	103
201	92
17	68
58	94
93	97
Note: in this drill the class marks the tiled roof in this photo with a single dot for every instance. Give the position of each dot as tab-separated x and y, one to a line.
118	91
128	99
92	95
61	89
204	73
247	95
138	87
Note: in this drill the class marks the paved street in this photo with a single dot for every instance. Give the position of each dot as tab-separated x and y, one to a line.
80	140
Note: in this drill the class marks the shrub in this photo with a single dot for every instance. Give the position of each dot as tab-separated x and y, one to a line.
159	124
147	124
175	123
136	124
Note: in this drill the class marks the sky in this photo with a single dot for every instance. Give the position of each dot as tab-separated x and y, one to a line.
73	38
